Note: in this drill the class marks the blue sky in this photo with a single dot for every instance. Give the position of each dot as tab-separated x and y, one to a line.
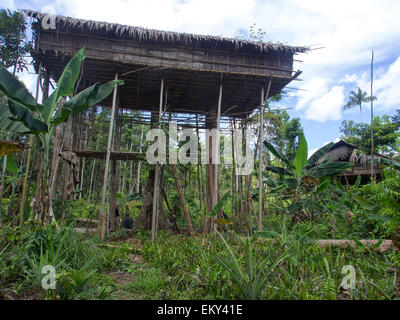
346	31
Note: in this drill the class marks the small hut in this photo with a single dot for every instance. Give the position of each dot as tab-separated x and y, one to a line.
342	151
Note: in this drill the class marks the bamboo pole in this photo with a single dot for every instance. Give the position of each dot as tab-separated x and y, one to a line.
260	162
83	164
92	173
216	150
199	184
140	162
372	119
28	163
102	218
233	175
154	220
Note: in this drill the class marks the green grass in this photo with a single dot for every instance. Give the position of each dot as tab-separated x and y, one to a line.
180	267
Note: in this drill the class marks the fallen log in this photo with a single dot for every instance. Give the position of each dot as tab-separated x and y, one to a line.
383	247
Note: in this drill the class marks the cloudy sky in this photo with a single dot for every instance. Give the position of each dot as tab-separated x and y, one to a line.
345	32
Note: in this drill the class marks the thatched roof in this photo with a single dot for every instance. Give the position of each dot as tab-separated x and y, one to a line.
113	30
342	151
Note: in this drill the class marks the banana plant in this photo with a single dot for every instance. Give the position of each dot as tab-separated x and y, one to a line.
22	114
303	175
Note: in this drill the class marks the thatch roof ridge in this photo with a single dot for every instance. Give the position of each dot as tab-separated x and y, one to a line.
144	34
344	151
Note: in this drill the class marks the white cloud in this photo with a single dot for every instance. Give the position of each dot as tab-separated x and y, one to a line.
347	31
386	81
327	107
321	101
387	87
9	4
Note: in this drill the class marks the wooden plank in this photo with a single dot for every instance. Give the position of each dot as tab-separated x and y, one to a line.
260	164
114	155
154	221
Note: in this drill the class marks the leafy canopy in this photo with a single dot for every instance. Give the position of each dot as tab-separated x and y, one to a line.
13	44
386	135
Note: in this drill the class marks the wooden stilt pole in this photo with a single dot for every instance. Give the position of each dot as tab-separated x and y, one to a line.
216	149
199	170
372	119
260	162
154	221
102	218
140	162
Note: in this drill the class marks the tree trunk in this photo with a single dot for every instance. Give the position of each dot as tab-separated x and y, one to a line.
143	221
140	162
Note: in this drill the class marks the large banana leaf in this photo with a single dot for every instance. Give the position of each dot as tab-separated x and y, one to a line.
318	154
330	169
278	170
24	115
301	157
278	154
11	166
388	162
8	125
66	83
85	99
15	90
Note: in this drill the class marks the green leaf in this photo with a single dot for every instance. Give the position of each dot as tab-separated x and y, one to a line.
11	166
319	154
278	154
85	99
24	115
15	90
278	170
296	206
390	162
368	205
378	244
8	125
277	189
219	205
301	157
357	184
66	83
323	186
330	169
267	234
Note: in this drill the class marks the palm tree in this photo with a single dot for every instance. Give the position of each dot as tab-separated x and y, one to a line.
357	98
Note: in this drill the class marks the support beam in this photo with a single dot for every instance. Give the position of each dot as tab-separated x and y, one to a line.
102	218
216	149
212	146
260	162
154	221
114	175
